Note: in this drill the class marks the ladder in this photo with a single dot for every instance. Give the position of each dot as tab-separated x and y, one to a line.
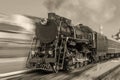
33	42
62	52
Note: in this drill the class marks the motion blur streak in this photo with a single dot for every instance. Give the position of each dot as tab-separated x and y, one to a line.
19	20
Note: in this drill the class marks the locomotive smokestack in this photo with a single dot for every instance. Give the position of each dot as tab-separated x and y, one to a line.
51	15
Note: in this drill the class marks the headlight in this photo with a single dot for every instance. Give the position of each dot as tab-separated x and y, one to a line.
33	52
44	21
50	52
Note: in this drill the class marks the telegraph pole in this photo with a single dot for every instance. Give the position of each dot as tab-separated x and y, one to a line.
101	29
101	32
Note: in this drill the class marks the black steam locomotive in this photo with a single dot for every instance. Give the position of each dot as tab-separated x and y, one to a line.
58	45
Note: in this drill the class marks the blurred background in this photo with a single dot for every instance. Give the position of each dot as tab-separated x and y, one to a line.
15	36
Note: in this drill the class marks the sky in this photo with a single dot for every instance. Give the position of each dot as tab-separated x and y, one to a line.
94	13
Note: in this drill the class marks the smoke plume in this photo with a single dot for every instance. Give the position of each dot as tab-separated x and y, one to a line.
98	11
53	5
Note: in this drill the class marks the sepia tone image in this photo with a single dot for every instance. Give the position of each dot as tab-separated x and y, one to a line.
59	40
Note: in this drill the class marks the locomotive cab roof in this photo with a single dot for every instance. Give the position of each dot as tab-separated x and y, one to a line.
84	28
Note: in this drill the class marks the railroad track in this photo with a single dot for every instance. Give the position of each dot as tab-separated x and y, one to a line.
26	75
40	74
111	74
92	73
61	75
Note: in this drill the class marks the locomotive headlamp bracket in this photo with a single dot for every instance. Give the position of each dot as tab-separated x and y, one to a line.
43	21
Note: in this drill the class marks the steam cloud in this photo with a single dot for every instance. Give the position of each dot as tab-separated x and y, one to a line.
52	5
98	11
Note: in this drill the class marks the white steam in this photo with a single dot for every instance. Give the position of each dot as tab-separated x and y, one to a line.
98	11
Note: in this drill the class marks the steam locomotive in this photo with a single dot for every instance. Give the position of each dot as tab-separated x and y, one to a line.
59	45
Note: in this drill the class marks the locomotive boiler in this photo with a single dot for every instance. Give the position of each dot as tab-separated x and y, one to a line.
59	45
